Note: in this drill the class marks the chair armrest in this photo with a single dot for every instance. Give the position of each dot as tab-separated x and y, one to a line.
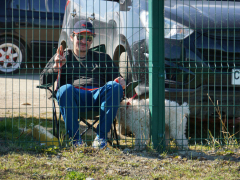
45	86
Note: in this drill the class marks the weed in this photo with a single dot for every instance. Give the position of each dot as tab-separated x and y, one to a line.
135	165
76	175
51	150
228	139
157	176
61	138
164	154
213	142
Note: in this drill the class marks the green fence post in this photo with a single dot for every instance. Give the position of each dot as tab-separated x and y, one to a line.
156	73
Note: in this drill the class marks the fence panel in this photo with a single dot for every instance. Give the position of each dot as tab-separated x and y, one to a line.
99	41
201	63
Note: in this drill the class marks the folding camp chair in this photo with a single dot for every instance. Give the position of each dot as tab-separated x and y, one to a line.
95	115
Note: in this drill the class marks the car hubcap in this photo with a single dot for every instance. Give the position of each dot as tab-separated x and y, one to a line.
10	57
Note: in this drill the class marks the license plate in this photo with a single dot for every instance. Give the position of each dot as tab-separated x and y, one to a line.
235	76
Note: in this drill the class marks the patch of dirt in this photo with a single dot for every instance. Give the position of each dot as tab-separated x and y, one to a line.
20	97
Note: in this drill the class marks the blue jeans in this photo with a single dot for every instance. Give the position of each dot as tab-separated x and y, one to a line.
104	100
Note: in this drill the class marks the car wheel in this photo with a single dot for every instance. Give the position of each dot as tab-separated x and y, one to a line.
12	55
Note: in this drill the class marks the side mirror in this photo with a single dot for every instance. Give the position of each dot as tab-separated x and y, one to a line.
121	1
124	5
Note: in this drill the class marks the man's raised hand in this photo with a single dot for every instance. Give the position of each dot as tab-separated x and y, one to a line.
121	81
59	59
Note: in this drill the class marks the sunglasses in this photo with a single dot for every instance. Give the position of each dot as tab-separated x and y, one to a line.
80	37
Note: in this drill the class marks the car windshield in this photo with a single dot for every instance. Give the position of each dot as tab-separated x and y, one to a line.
23	4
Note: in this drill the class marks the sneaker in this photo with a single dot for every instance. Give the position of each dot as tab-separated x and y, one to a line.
100	143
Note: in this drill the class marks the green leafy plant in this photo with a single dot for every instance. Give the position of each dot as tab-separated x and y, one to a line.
75	175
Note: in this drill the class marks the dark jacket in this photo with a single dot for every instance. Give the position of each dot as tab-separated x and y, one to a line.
95	71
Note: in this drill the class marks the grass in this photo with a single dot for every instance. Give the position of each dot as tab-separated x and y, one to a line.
19	129
21	157
83	162
228	140
214	134
15	130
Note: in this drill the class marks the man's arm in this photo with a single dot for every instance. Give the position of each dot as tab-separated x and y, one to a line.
113	73
53	66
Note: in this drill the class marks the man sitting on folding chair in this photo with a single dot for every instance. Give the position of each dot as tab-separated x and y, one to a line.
86	81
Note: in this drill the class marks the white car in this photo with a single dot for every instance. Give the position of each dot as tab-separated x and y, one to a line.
202	52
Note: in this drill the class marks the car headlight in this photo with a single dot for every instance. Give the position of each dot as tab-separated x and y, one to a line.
172	29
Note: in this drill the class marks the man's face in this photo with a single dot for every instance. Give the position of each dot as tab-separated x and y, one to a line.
82	42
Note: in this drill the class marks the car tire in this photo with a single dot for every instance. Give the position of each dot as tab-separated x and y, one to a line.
12	55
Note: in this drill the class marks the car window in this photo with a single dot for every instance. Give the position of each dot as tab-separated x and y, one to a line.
20	4
57	6
38	5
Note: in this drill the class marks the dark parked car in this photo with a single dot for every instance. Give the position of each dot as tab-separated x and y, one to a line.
202	52
28	31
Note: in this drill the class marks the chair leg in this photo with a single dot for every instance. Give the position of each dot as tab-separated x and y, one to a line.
58	122
54	117
115	131
55	123
112	131
89	126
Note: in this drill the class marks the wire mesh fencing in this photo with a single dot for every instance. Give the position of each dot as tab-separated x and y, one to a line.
91	73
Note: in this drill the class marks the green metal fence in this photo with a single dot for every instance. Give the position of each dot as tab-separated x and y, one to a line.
183	56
